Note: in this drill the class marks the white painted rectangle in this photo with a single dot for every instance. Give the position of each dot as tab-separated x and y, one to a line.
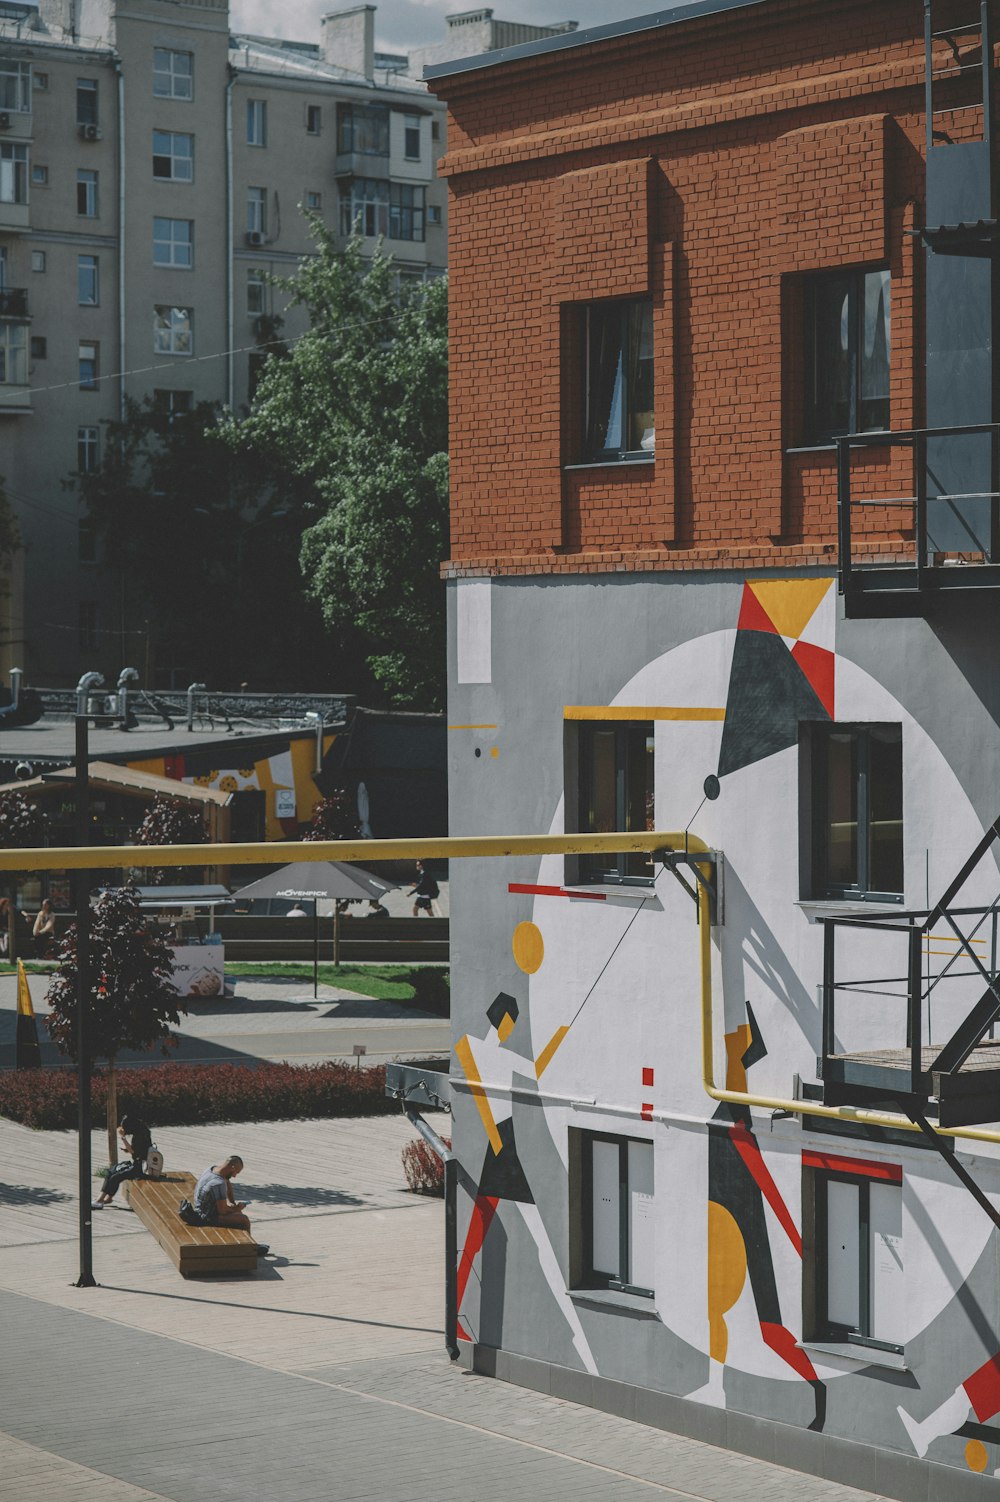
843	1255
641	1221
474	631
886	1253
606	1209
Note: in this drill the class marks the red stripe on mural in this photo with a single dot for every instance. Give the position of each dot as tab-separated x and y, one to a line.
483	1212
983	1389
523	886
782	1343
758	1170
888	1173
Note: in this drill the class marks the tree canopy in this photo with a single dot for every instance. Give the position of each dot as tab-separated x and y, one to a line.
357	407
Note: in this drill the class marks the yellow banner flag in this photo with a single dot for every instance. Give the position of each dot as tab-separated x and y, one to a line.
24	1007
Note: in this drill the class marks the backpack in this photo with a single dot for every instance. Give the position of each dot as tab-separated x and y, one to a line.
153	1166
432	889
189	1215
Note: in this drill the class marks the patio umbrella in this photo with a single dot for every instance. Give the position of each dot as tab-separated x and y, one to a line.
311	880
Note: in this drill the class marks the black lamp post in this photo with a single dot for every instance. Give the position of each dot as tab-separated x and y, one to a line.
82	885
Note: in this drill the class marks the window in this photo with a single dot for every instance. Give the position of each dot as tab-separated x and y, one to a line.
39	175
86	281
433	213
86	101
617	1213
365	201
256	211
858	1217
256	294
87	632
38	260
173	243
363	128
15	86
171	405
857	812
848	329
173	156
619	381
615	782
411	137
314	201
172	331
13	354
87	449
314	119
435	130
13	174
88	366
40	81
39	347
87	542
173	74
86	194
406	212
256	122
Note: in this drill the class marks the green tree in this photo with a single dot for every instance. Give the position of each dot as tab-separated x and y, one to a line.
204	542
132	1003
171	821
358	409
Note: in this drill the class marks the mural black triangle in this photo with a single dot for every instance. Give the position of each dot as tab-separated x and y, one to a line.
768	696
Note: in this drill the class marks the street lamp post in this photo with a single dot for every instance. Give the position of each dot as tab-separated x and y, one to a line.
82	884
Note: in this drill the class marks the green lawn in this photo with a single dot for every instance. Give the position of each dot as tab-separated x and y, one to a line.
386	982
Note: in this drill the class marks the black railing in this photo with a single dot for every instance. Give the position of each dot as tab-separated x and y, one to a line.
13	302
925	554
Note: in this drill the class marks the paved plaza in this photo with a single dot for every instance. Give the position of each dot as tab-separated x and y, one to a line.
321	1378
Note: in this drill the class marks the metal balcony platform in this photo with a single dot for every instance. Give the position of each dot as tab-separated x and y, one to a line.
968	1096
904	590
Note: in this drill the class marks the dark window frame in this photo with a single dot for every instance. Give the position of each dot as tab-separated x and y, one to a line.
825	1328
821	887
363	130
87	101
821	426
595	868
591	1278
618	324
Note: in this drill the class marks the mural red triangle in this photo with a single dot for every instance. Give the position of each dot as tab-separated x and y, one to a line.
753	616
818	666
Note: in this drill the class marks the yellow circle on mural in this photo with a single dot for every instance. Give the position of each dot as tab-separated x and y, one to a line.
528	947
976	1457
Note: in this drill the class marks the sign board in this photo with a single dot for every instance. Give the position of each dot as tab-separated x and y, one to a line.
199	969
284	803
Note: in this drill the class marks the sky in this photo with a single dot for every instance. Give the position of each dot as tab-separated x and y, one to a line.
411	23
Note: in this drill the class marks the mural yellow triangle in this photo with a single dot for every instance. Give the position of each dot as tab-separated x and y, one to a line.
790	603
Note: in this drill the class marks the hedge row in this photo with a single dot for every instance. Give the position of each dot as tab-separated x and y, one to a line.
192	1094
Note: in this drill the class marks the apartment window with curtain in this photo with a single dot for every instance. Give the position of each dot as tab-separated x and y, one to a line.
87	365
618	386
365	201
848	322
15	86
256	211
173	332
13	173
363	129
13	354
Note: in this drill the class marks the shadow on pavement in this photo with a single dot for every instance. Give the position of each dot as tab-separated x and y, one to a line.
238	1006
304	1199
22	1195
338	1319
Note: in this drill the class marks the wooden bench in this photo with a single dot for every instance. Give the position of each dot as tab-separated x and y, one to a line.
192	1249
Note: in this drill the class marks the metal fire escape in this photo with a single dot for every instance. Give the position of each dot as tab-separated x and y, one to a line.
950	524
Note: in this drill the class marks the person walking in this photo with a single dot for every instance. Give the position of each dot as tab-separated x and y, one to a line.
426	892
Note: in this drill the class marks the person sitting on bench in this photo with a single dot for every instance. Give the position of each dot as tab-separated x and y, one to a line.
213	1198
138	1149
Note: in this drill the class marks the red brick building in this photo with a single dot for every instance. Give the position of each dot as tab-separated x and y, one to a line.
725	559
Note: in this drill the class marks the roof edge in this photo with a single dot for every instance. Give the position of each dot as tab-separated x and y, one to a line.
653	22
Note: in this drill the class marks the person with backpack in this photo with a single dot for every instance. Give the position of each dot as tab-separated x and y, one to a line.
425	891
138	1149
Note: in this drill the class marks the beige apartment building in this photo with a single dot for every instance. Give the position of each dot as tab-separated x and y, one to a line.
153	169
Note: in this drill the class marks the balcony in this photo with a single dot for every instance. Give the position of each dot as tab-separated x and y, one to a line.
14	302
361	164
14	217
946	536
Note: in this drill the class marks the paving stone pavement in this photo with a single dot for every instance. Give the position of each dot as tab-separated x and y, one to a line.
321	1378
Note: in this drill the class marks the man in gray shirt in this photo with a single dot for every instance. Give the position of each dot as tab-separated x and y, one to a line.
213	1195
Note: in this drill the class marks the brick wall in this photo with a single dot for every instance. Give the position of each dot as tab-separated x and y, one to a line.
712	166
